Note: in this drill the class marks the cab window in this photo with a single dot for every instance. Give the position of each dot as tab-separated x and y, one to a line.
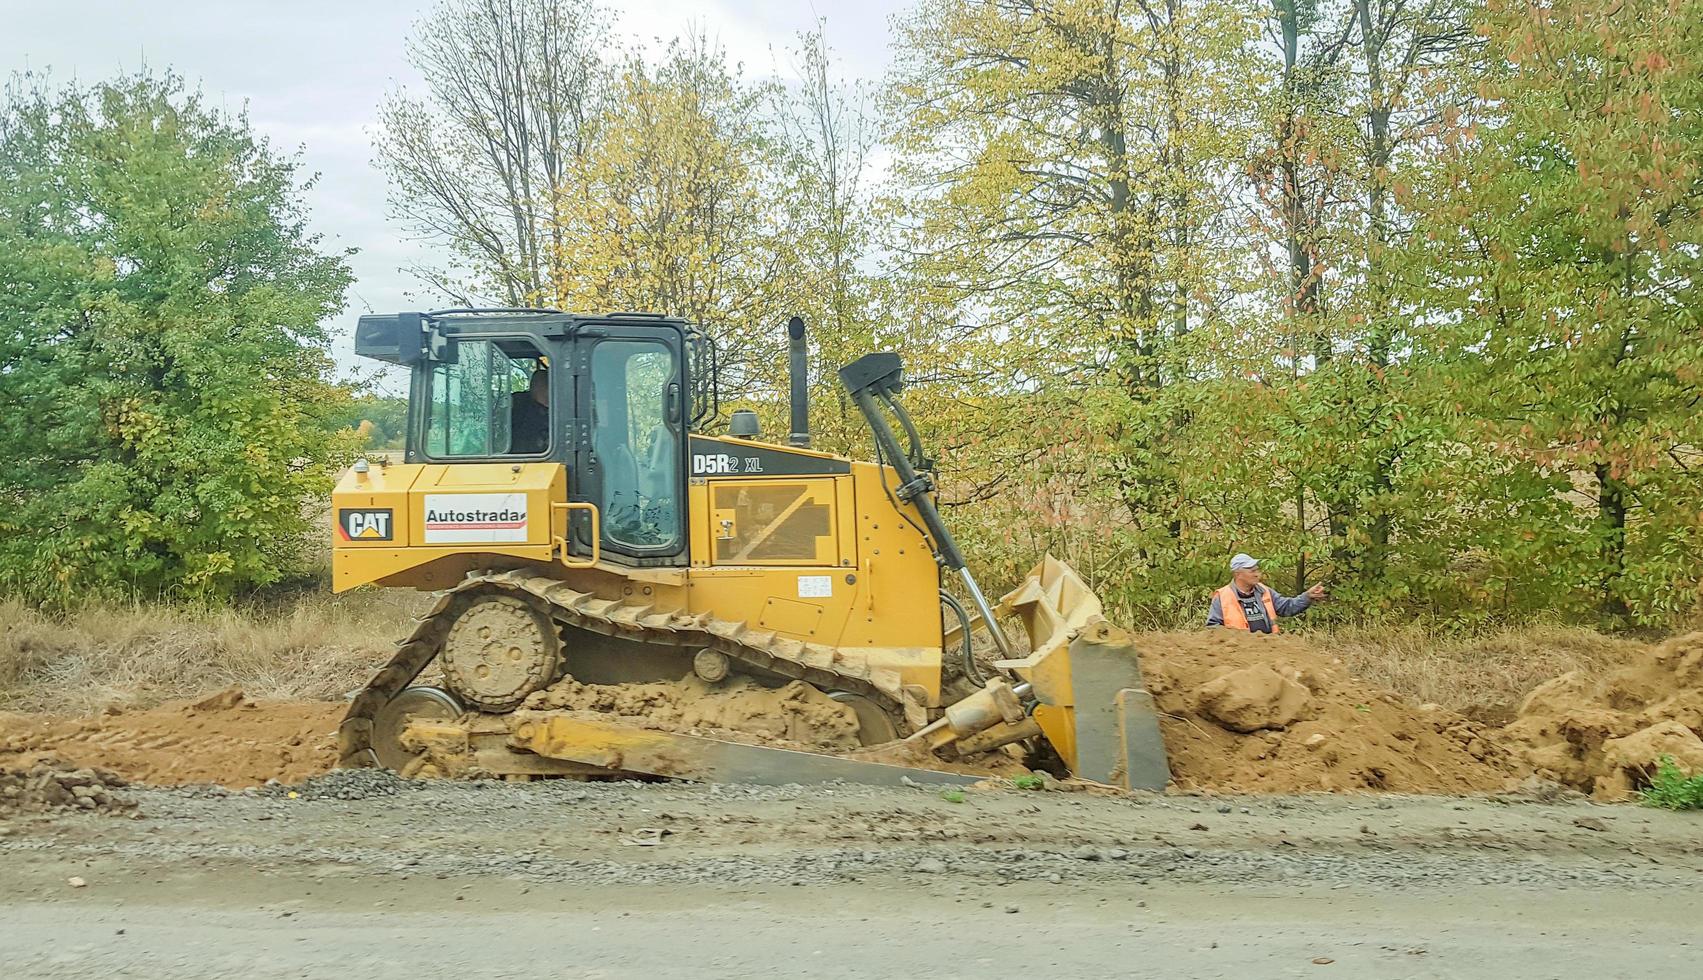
491	400
636	443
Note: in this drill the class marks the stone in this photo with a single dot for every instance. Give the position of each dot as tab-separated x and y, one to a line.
1641	751
1252	698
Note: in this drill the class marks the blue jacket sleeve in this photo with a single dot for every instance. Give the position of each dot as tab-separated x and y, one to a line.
1289	605
1215	614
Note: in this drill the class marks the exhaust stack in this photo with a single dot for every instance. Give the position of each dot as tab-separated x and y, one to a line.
800	375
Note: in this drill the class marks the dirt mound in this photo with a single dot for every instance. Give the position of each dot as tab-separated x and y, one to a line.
57	785
1604	734
226	739
795	713
1268	714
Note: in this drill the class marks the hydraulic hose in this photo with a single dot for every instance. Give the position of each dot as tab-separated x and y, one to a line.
967	650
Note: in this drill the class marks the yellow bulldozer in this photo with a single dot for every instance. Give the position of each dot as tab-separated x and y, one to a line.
563	494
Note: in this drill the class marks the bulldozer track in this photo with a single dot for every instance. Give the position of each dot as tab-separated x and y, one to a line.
824	666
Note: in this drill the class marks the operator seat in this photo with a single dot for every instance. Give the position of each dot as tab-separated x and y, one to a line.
659	473
620	479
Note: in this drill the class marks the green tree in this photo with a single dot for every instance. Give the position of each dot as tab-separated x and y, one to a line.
1566	242
1062	165
678	208
380	420
162	363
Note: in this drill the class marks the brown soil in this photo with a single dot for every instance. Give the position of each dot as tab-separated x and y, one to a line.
794	714
1001	763
225	738
1241	714
1268	714
1603	734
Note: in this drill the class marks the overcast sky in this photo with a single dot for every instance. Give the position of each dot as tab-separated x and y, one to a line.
311	74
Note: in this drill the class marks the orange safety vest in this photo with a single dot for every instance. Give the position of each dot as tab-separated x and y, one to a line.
1230	607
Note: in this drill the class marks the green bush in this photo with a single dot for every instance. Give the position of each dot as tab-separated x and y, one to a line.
164	371
1672	789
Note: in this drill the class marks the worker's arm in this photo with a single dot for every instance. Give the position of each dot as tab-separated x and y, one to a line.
1215	615
1290	605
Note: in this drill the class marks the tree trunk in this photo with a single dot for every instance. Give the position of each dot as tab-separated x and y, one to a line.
1611	550
1373	37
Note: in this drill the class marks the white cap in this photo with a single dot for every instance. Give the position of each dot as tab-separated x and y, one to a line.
1242	561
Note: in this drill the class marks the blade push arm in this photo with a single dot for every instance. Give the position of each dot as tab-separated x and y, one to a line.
873	381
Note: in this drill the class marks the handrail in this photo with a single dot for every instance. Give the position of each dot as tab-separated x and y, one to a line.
561	541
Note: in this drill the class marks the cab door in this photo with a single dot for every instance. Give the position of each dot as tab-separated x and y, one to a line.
630	448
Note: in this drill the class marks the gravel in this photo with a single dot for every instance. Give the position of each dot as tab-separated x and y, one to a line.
372	823
343	784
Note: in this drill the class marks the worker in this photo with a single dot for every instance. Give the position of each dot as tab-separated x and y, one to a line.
529	415
1248	604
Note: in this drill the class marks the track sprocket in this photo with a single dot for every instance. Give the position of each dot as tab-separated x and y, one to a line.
499	649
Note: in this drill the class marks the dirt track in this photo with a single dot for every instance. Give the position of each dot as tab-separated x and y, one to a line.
362	875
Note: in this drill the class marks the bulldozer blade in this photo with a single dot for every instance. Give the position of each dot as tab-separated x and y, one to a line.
1117	725
1094	707
623	748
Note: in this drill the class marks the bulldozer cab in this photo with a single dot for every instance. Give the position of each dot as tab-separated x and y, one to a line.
610	397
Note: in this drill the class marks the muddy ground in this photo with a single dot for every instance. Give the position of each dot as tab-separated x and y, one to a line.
360	874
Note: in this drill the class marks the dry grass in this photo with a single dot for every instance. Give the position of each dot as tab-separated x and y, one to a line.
312	646
1486	676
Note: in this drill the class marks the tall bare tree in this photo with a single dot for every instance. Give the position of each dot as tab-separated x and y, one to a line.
478	161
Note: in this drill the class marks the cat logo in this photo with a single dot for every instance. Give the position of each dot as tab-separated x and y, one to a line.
372	524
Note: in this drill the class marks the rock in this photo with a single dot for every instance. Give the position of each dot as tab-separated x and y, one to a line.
1591	823
229	698
1198	826
76	882
1224	808
1639	753
1315	740
931	866
77	779
1558	694
1086	853
1322	961
1252	698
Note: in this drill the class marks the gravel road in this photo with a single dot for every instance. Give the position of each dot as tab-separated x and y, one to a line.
364	875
